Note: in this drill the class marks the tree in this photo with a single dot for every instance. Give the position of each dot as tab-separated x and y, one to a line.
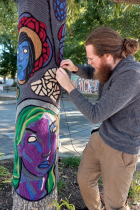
8	37
45	204
8	58
100	13
9	21
127	24
40	50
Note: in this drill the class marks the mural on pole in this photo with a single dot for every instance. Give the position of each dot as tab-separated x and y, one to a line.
41	36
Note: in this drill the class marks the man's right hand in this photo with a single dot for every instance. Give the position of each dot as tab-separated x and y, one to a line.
69	65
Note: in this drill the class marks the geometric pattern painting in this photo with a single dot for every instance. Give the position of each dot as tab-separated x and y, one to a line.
60	9
47	85
41	36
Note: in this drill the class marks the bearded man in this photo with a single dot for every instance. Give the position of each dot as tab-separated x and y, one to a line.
112	152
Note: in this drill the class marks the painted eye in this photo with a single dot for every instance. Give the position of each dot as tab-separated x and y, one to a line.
17	52
32	139
53	128
25	51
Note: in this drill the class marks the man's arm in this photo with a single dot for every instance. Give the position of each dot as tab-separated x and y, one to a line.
85	72
123	91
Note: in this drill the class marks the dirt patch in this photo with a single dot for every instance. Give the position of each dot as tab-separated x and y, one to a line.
69	177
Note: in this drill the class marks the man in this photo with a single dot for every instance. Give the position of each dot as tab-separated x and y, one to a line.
113	151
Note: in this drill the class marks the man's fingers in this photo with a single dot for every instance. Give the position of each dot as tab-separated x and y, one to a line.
61	70
65	63
66	66
60	73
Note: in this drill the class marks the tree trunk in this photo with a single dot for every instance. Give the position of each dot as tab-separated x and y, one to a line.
4	79
45	204
13	76
41	30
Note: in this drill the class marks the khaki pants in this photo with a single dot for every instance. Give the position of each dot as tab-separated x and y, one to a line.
116	169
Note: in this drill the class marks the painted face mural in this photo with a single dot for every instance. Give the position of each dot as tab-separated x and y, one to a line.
38	145
36	149
34	47
22	60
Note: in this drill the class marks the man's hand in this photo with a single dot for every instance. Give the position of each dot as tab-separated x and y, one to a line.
64	80
69	65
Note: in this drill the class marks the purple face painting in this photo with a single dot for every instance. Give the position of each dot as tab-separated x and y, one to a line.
38	145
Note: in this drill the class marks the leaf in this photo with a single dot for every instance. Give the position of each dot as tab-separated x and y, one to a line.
117	9
125	7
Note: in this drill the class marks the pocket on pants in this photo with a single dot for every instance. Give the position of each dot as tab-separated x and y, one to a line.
129	162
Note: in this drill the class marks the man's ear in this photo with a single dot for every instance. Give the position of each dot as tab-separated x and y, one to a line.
108	56
109	59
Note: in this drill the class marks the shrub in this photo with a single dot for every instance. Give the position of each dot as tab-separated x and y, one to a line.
134	190
63	203
71	161
60	185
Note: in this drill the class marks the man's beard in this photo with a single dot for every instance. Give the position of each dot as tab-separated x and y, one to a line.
103	73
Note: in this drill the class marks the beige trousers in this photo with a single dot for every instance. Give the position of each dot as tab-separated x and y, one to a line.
116	169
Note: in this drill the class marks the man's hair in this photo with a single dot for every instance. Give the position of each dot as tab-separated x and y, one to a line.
107	41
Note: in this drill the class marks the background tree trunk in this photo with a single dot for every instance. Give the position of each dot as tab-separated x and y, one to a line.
4	79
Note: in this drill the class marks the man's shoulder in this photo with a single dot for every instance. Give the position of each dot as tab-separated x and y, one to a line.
129	67
130	63
128	72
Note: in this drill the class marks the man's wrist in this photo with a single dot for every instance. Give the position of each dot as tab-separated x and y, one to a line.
70	88
76	68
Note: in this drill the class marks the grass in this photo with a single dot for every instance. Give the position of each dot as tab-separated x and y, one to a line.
61	185
71	161
4	173
134	190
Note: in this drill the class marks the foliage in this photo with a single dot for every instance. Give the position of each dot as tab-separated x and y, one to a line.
97	13
8	37
60	185
71	161
1	155
100	182
134	191
9	20
82	17
8	58
127	24
4	173
63	203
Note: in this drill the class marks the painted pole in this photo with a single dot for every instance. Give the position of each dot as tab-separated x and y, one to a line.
41	35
